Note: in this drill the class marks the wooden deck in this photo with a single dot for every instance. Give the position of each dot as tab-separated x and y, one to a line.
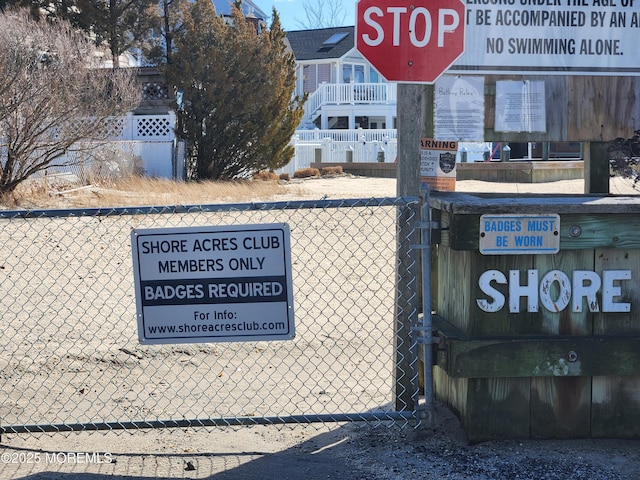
378	170
521	171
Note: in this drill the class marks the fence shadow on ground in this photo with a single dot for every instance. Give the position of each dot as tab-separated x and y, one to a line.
342	452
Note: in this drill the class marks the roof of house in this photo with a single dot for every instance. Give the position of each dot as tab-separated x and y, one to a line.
319	44
223	7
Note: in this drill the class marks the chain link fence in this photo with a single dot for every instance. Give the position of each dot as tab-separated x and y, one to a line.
69	353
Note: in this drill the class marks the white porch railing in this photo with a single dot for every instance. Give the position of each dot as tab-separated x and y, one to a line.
350	94
342	146
357	135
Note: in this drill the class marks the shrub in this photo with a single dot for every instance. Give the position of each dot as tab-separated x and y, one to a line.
285	177
265	175
332	170
306	173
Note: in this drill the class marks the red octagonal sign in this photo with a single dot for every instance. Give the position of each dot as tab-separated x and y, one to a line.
410	41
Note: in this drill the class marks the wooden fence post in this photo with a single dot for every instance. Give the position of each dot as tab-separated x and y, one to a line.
410	127
596	168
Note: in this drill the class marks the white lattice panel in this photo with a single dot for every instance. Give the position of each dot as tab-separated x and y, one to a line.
110	128
114	127
157	127
155	91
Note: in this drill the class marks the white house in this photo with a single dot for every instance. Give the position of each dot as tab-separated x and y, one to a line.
251	11
345	92
350	115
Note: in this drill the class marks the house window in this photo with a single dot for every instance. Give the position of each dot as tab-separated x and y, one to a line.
374	77
353	73
324	73
310	79
336	38
362	122
347	73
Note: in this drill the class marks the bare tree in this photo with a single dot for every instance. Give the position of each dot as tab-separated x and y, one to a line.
53	99
322	14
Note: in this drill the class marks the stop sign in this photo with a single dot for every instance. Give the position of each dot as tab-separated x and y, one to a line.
410	41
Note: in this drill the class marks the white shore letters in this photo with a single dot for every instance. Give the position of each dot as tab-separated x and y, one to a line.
584	284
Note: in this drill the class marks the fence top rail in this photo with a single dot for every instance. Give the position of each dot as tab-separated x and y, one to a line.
212	208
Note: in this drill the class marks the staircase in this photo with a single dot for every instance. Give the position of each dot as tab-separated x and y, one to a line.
347	94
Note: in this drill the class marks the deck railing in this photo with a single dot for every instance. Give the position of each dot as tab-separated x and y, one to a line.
342	146
350	94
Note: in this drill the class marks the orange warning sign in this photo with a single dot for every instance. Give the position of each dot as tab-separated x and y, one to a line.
438	164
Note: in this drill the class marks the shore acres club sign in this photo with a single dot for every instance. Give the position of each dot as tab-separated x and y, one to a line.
213	284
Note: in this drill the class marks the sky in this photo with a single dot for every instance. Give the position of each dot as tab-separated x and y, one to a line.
292	11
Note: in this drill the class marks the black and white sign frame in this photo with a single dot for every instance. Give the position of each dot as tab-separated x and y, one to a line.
213	284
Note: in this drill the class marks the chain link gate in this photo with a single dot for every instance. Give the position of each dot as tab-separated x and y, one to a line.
70	359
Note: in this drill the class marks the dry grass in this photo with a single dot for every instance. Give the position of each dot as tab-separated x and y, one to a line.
306	173
331	171
265	175
140	191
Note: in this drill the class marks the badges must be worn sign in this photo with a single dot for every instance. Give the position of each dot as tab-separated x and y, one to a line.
519	234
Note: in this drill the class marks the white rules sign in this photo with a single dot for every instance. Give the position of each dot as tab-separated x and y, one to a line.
213	284
547	37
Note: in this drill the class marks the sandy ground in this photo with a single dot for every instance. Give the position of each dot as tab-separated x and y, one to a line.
356	187
346	452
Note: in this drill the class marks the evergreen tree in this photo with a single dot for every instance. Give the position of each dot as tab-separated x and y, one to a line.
51	10
36	8
159	47
120	24
236	85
